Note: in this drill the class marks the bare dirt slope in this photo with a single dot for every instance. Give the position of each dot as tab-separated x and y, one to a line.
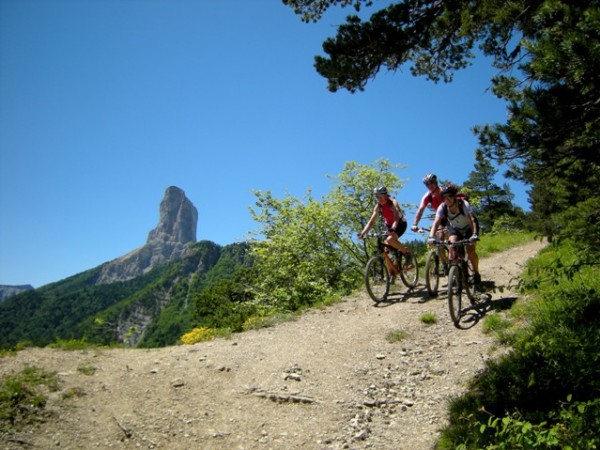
328	380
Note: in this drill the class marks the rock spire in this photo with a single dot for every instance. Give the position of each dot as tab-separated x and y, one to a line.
176	229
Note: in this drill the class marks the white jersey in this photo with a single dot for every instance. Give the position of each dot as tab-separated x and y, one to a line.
460	220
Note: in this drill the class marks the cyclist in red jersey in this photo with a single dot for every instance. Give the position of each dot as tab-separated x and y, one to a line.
434	198
394	219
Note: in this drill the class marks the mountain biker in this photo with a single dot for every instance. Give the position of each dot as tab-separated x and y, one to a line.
461	224
394	218
433	197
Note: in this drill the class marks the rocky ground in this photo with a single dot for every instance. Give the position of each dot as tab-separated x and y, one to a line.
328	380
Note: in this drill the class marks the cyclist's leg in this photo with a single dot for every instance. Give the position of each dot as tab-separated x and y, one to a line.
474	258
453	236
389	264
442	235
393	239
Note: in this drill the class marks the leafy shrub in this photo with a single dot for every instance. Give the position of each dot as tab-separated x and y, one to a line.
572	426
555	356
21	399
198	334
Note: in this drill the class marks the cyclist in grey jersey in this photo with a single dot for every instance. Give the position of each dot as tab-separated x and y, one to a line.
461	223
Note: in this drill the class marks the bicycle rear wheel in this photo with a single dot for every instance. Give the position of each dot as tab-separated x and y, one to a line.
377	279
409	274
432	273
455	294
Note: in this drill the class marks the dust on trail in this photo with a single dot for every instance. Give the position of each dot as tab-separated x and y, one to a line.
328	380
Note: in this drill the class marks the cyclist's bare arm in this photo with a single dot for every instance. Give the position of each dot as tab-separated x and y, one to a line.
369	223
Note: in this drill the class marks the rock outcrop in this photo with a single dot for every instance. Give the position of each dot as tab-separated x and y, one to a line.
7	291
176	229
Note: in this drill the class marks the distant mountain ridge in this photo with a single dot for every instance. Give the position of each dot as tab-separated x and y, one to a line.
7	291
146	298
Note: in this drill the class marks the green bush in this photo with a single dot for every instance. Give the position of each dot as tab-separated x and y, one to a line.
518	400
21	398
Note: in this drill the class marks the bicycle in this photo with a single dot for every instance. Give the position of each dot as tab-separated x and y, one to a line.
433	269
461	277
377	270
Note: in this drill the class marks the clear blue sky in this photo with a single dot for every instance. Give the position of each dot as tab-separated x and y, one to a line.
106	103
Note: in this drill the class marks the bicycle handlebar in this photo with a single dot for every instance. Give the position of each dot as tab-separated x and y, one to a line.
376	235
454	244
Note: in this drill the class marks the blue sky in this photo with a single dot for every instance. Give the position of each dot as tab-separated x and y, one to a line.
106	103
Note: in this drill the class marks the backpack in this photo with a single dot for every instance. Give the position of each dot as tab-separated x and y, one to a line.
461	209
461	206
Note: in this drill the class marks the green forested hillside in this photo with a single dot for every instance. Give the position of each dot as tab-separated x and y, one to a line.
150	310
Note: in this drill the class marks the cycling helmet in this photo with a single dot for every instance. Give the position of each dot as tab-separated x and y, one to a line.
450	190
381	190
430	178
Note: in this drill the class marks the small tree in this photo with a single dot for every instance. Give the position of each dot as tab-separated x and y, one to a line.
489	200
307	249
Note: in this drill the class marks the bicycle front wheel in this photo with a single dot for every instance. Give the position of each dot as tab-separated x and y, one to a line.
432	273
470	286
455	294
377	279
409	274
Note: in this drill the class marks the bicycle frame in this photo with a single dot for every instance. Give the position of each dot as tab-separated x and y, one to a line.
458	278
383	250
378	279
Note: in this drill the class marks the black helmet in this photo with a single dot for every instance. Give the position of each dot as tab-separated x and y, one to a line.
449	189
381	190
430	178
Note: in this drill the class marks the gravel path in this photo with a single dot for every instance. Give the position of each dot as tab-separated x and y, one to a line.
328	380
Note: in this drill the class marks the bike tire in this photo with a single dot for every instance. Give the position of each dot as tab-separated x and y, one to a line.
432	273
377	279
455	294
471	287
410	277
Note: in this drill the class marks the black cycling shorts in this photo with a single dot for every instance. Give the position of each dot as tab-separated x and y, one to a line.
400	229
461	234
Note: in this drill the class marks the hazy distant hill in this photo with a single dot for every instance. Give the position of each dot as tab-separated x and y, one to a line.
145	298
8	291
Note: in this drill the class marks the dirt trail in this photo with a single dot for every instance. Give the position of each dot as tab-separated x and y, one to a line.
328	380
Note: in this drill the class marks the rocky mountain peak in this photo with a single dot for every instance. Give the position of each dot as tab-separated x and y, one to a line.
177	220
176	229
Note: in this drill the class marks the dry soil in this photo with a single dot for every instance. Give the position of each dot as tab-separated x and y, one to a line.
328	380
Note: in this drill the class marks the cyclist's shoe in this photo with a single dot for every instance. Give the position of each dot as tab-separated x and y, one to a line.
477	278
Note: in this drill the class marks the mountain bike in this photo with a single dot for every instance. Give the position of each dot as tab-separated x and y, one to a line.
460	278
387	259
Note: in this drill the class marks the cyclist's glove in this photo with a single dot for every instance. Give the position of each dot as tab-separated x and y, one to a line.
431	240
414	228
474	238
